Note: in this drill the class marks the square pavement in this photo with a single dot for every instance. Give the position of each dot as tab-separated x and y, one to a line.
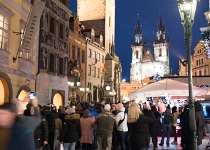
205	141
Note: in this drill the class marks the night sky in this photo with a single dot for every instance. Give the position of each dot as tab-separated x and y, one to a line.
150	12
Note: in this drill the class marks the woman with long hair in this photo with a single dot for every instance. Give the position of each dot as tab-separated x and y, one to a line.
138	127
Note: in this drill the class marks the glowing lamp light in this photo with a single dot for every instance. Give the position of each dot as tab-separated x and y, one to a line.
108	88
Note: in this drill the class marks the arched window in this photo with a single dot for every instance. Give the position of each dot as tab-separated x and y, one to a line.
160	52
137	54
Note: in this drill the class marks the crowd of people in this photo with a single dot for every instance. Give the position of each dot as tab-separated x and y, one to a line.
90	126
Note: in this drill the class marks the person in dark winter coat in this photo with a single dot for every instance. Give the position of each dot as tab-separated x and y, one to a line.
148	113
138	127
23	130
155	127
71	131
41	132
50	117
166	123
199	118
184	122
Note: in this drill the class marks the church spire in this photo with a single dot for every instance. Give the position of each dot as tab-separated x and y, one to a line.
160	26
138	33
161	32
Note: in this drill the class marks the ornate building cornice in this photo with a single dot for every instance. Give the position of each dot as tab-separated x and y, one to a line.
6	10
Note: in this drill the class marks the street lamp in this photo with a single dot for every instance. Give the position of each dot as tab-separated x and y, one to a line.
73	85
187	10
84	91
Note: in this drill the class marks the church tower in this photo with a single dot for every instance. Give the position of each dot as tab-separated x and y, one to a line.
161	44
137	53
99	15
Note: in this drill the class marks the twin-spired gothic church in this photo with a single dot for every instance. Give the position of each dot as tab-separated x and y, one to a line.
145	63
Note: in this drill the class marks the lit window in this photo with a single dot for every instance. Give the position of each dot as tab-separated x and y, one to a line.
89	53
98	57
94	55
89	70
3	32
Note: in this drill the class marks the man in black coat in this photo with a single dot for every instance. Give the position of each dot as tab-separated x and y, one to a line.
199	119
50	116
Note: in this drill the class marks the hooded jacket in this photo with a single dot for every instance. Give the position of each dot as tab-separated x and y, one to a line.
71	131
120	116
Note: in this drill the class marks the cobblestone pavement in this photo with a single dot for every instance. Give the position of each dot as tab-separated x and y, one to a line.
178	147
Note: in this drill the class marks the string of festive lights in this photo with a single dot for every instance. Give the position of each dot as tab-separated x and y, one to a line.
205	43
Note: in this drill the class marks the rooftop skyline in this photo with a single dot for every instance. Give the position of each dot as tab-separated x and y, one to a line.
149	13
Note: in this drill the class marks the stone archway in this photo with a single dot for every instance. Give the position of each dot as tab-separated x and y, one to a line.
100	93
95	93
58	100
21	94
5	88
89	97
25	88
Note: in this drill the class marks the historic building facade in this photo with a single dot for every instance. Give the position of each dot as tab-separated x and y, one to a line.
95	63
144	62
77	59
52	80
200	63
18	65
100	16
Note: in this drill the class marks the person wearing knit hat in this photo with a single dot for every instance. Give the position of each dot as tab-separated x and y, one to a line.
107	107
71	126
105	122
87	124
86	113
70	110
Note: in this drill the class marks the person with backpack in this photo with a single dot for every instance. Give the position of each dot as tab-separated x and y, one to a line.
166	123
122	127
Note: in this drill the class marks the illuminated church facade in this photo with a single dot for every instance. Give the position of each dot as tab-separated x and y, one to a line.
146	63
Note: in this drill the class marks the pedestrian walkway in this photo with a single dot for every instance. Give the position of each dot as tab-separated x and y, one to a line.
178	147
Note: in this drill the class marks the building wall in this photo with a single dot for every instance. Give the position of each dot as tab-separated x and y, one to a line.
78	41
100	16
22	72
94	80
53	52
200	63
